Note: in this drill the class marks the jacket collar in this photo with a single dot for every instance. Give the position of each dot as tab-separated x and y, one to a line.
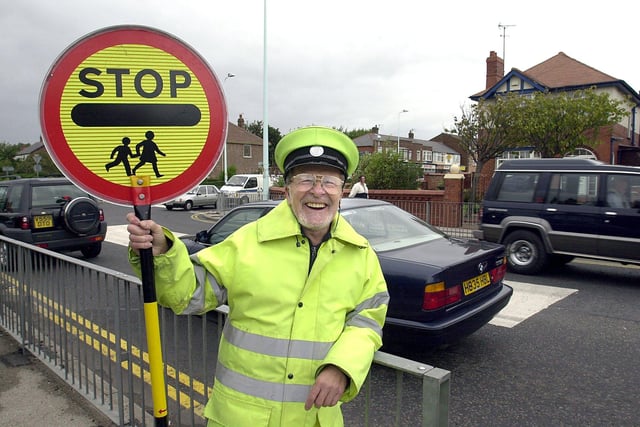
281	223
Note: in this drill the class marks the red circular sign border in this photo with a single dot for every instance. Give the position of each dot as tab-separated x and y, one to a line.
55	140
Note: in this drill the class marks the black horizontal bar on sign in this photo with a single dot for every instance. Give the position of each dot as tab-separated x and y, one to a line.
115	115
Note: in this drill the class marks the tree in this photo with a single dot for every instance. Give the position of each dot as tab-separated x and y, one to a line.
354	133
7	156
484	130
256	127
553	124
386	170
556	124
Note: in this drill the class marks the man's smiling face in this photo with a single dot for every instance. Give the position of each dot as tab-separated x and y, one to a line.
314	207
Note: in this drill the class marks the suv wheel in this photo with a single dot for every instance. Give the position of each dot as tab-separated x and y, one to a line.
91	251
525	252
81	215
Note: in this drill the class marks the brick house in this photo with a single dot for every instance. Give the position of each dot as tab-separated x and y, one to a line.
453	141
30	150
562	73
435	156
244	150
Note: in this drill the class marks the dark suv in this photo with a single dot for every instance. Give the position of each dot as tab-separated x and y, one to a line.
552	210
51	213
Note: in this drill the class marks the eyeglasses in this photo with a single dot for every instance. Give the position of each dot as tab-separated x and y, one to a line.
306	181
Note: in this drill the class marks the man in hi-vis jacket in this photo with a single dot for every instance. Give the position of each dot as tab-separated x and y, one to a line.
306	295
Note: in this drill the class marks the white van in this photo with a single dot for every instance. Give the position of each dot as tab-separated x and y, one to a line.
245	188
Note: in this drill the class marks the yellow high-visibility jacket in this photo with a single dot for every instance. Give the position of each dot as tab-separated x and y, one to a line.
286	321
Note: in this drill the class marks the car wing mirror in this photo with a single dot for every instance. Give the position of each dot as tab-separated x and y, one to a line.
202	236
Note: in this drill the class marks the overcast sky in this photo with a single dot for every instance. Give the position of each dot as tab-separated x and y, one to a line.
349	63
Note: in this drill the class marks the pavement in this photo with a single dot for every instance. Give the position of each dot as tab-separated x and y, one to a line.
31	394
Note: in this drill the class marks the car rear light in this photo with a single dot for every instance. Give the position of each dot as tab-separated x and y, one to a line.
24	223
436	296
498	273
101	215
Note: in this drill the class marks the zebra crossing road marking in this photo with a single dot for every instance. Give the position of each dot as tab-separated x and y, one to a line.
527	299
118	234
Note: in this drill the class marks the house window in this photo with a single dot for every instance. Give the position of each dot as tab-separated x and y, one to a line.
427	156
582	153
246	151
516	154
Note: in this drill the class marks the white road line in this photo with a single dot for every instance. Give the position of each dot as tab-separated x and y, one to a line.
527	300
118	234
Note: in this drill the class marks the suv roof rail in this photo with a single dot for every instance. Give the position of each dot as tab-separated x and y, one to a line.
548	163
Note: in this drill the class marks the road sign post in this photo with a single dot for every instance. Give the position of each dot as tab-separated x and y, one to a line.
134	116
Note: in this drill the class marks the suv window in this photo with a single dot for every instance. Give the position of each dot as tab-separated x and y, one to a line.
53	195
518	187
3	199
573	189
13	203
623	191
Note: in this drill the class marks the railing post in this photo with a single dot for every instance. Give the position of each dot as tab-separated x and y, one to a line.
436	386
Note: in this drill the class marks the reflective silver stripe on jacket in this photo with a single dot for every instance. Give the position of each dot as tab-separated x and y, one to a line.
355	319
198	300
277	347
263	389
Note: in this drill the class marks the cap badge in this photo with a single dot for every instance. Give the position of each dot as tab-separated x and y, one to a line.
316	151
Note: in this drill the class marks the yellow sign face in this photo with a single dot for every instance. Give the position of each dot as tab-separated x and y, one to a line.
104	150
133	102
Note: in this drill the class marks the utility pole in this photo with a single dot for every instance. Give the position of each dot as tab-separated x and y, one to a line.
224	162
504	38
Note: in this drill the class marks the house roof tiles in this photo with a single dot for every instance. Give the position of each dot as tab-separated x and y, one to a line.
561	71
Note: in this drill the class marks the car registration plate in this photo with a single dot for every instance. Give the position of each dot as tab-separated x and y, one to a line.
478	282
42	221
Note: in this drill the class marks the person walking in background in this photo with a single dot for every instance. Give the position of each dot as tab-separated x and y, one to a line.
307	298
360	189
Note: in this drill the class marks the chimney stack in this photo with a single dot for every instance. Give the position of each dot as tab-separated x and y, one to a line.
495	69
411	134
241	122
375	129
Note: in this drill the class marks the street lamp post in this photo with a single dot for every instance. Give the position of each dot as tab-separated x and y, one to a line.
403	111
224	158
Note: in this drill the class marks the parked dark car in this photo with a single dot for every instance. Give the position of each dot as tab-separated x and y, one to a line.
548	211
442	288
50	213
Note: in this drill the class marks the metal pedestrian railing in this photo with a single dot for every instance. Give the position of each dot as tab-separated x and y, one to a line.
86	323
228	201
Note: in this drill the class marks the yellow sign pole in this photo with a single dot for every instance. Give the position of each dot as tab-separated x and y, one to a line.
142	209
